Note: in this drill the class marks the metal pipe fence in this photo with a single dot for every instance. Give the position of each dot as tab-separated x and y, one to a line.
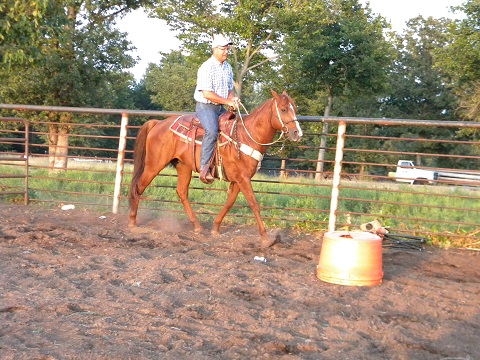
358	182
18	138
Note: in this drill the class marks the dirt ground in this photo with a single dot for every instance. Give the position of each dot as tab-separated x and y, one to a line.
82	285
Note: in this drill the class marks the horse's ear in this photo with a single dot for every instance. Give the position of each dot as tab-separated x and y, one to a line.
275	95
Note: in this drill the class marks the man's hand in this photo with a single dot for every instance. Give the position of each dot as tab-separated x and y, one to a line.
234	102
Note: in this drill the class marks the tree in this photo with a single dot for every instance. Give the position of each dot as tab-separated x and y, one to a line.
141	97
252	25
21	29
420	89
417	89
80	62
172	82
460	58
335	49
24	24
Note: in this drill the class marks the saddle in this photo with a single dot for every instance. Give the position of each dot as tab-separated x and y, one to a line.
188	129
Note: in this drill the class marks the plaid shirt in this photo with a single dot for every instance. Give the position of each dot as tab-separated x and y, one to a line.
214	76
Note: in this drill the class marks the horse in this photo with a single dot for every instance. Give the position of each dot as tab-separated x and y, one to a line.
156	146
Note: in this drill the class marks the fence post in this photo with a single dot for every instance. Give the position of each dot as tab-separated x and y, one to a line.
26	156
122	145
342	127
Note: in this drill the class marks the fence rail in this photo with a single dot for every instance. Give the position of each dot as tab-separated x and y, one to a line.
356	184
15	138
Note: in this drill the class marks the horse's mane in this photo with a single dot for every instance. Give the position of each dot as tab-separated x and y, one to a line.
261	108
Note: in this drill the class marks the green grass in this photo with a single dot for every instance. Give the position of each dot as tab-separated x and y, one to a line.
303	205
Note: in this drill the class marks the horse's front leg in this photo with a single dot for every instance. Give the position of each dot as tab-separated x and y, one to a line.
232	194
184	177
247	191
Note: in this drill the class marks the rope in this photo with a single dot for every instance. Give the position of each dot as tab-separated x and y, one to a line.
250	136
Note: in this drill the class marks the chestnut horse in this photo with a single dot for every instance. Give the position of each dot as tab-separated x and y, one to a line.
157	146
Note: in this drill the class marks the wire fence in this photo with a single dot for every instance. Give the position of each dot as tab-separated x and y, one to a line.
435	191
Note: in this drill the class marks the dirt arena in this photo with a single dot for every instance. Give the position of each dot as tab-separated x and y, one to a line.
82	285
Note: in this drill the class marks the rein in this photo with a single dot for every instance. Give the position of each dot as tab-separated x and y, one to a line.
247	150
284	128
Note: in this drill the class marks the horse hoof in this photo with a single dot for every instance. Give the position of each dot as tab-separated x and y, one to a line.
198	230
132	225
215	233
269	242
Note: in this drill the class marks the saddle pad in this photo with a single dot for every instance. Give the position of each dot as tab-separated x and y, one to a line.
184	128
188	126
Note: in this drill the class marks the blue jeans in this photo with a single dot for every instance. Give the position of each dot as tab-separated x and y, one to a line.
208	115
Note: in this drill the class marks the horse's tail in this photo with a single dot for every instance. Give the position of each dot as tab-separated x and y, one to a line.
139	153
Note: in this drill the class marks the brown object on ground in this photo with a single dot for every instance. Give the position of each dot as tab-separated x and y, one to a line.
74	285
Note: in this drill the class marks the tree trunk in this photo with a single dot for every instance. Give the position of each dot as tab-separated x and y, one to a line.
418	162
323	142
283	173
61	153
52	144
58	145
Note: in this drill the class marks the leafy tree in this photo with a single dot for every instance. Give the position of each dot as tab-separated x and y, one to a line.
460	59
172	82
141	97
336	49
80	63
252	25
25	24
417	89
21	29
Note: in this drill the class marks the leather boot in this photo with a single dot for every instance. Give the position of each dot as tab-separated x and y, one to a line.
205	176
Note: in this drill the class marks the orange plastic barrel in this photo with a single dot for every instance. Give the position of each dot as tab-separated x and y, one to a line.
351	258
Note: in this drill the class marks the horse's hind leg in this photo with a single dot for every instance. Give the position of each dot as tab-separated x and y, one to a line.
133	210
184	177
145	179
232	194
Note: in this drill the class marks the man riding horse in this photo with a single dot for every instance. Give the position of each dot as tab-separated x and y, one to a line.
214	89
173	141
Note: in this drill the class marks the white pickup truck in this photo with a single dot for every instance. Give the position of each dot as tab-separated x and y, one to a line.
407	172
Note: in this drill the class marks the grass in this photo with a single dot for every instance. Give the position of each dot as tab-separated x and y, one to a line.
298	203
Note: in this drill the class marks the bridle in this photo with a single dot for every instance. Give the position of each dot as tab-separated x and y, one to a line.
282	123
248	150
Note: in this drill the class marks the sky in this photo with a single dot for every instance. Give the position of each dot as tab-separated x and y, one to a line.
151	36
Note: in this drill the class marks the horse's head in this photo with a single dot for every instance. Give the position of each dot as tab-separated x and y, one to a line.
286	113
